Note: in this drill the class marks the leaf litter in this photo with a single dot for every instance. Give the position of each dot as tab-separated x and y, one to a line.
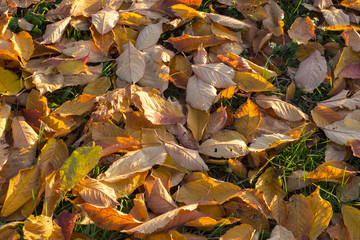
164	93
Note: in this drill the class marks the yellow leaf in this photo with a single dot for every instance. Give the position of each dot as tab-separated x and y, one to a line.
300	218
21	188
54	153
183	11
39	227
10	84
332	171
71	67
123	35
247	118
196	122
269	185
241	232
202	188
351	217
23	45
279	210
98	87
251	82
322	211
37	102
78	106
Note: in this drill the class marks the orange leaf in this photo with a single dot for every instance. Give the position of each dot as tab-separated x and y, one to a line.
302	30
109	218
188	43
247	118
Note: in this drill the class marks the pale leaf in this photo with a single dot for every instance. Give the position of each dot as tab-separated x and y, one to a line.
23	135
55	31
225	144
133	162
281	108
274	22
149	36
156	76
267	141
342	101
130	64
187	158
334	16
167	221
281	233
105	20
4	116
228	21
199	94
218	75
96	193
157	197
311	72
156	109
342	131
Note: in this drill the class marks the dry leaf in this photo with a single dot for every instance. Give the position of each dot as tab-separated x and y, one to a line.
241	232
302	30
54	31
342	131
251	82
281	233
270	186
196	122
138	161
311	72
218	75
334	16
352	39
351	217
274	22
130	64
247	118
105	20
149	36
199	94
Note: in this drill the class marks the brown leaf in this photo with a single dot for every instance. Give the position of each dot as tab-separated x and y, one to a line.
351	217
78	106
54	31
156	109
218	75
269	185
66	221
324	116
300	218
149	36
334	16
302	30
157	197
188	43
105	20
352	39
240	232
199	94
311	72
23	135
274	22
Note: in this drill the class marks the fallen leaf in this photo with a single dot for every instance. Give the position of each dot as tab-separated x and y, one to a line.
130	64
23	45
332	171
218	75
251	82
10	82
351	217
352	39
282	109
302	30
322	211
23	135
225	144
300	218
22	188
324	116
334	16
109	218
311	72
342	131
279	210
138	161
196	122
156	109
247	118
96	193
269	185
187	158
41	227
281	233
267	141
105	20
158	199
54	31
188	43
199	94
166	221
80	162
149	36
274	22
241	232
80	105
